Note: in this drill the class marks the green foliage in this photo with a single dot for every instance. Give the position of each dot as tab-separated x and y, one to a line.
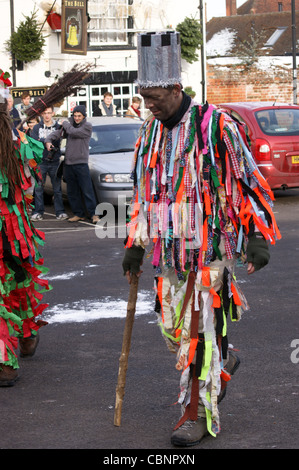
250	49
27	42
189	91
191	38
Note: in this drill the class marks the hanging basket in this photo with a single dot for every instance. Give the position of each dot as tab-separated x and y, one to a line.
54	21
27	42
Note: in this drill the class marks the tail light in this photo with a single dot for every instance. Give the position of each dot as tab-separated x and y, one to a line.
262	150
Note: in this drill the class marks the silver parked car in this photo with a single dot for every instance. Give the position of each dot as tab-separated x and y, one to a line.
111	150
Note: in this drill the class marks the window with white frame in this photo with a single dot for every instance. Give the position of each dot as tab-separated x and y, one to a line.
108	22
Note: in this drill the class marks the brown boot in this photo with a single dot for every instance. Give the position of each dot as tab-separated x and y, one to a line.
190	433
8	376
28	345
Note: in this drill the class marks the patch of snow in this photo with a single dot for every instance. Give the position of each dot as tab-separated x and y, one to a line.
91	310
221	43
264	63
62	277
67	276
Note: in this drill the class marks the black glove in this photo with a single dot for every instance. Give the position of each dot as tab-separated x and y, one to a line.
133	259
257	251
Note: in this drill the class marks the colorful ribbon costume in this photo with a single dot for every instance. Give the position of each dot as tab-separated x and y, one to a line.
198	195
21	287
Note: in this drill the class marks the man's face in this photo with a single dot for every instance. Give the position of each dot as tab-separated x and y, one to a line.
162	102
26	100
31	124
9	103
108	100
47	115
78	117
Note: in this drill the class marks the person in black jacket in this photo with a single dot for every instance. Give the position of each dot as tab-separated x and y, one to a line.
30	125
49	165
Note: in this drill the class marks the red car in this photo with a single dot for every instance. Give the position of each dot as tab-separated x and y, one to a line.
273	129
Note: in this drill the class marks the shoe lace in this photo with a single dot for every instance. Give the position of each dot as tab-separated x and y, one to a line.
187	424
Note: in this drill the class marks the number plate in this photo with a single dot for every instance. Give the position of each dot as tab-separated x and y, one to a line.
295	159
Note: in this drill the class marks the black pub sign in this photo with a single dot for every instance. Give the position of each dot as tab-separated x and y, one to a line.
74	27
35	92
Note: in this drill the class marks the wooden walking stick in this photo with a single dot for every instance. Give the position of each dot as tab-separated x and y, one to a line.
123	360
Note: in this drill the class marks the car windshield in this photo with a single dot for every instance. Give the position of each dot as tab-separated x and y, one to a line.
280	121
113	139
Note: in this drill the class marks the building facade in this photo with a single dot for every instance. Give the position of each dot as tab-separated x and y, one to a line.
111	47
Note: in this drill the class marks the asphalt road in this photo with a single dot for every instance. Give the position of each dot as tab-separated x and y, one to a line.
66	393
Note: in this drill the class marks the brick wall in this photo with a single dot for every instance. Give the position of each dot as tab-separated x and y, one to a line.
236	83
266	6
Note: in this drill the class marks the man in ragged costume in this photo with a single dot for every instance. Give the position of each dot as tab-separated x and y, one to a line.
21	265
200	198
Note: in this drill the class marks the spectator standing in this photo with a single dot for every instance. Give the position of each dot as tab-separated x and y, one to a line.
48	166
106	107
133	110
76	171
24	105
14	114
31	123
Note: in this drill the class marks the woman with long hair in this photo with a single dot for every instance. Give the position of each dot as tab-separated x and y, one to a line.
21	264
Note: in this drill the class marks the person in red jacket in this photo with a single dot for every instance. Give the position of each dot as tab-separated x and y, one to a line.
134	109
